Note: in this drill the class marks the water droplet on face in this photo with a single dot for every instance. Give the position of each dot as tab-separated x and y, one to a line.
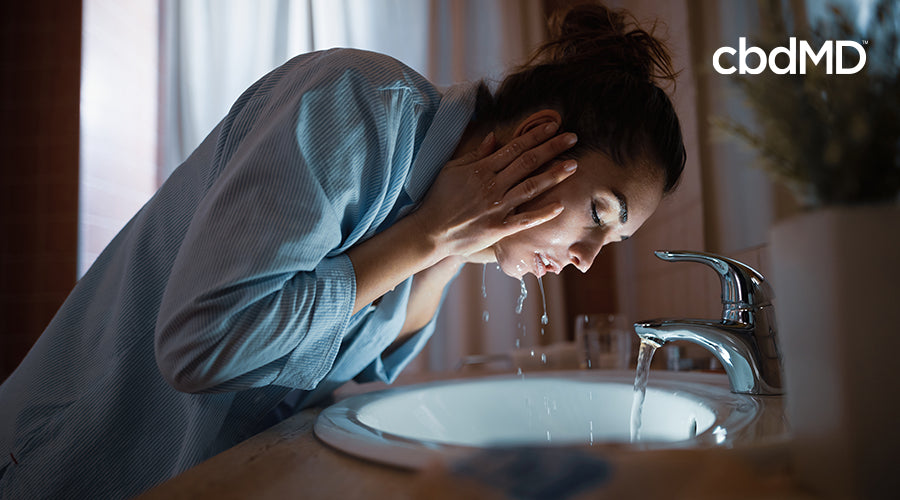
485	316
543	358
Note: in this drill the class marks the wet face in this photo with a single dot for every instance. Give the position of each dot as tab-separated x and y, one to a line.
604	203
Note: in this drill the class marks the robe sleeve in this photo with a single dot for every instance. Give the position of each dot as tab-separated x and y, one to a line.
261	291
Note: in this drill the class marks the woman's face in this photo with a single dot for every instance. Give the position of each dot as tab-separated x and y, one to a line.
604	203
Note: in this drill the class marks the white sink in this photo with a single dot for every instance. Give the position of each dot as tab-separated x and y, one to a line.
407	426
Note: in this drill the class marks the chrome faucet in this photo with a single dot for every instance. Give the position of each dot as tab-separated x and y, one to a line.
744	340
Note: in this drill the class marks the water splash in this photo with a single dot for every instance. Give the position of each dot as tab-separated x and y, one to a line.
645	355
544	319
523	292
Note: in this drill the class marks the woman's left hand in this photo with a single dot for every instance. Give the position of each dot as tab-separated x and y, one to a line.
472	204
474	201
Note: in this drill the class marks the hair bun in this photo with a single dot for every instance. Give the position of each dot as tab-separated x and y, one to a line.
586	18
607	38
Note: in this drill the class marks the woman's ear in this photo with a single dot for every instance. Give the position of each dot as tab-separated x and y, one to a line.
537	119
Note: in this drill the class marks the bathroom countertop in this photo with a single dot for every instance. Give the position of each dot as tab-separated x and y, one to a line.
288	461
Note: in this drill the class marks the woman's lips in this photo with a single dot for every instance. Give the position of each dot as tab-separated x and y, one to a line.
543	265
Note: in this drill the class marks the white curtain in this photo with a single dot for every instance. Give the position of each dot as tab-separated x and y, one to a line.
213	49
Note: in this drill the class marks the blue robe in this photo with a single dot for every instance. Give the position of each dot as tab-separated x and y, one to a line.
231	289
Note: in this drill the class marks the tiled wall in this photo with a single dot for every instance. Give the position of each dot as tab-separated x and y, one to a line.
40	53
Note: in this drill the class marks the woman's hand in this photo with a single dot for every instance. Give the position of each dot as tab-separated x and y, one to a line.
471	205
474	200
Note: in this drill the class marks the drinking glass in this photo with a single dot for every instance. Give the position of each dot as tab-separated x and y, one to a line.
602	342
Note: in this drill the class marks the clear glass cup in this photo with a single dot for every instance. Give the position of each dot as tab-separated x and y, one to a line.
602	342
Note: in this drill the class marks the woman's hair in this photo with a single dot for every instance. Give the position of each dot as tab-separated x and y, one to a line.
601	72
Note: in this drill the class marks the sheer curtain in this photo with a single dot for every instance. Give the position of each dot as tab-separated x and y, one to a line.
213	49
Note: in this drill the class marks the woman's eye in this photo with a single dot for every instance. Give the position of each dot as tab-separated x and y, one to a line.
595	216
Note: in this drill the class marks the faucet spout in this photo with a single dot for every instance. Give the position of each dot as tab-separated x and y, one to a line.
744	340
731	343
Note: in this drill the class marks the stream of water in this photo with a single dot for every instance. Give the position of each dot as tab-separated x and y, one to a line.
544	319
645	355
523	292
484	315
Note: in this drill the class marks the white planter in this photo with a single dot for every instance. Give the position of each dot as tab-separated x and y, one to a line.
836	276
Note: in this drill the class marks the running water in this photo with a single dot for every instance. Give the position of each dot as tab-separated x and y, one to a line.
544	319
522	294
484	315
645	355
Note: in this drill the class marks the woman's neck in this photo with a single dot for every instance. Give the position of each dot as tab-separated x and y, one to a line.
473	135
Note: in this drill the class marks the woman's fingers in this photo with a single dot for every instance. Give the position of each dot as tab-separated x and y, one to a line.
474	201
527	141
526	220
532	159
533	186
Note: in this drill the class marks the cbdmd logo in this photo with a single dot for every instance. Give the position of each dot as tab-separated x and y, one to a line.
831	52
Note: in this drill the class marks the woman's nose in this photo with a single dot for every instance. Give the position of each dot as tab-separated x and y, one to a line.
582	255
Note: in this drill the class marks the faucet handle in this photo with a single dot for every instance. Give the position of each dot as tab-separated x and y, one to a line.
742	286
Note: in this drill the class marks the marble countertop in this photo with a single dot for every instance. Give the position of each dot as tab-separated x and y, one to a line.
288	461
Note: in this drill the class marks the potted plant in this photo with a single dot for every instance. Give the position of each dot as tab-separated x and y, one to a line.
834	140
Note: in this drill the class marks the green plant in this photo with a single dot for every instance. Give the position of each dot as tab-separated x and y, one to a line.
834	139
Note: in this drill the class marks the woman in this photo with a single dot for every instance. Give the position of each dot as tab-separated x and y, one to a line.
308	240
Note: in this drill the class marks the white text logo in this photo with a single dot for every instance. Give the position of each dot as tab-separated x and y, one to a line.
831	52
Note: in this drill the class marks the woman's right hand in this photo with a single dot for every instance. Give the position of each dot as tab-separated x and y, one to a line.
474	202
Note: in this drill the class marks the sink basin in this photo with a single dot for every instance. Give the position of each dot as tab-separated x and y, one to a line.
408	426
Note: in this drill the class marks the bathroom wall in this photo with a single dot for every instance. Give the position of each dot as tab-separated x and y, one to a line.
40	54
